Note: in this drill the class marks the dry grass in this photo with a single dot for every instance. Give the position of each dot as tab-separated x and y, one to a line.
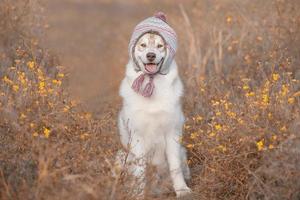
241	71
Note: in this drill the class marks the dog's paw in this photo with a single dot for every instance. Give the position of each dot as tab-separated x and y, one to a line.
183	192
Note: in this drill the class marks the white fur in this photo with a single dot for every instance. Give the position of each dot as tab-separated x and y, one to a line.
152	127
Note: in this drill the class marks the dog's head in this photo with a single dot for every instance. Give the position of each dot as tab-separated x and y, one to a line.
153	45
149	53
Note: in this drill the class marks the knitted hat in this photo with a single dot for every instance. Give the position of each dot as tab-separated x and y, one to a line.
158	24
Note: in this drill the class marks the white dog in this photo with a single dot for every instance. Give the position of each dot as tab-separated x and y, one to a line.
151	118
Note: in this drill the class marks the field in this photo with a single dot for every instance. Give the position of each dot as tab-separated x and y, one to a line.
61	63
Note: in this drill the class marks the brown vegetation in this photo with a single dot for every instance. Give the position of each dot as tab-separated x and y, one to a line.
240	65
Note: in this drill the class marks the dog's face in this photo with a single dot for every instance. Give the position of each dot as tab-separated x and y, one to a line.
150	52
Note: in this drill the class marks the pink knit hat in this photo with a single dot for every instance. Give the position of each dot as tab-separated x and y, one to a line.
157	23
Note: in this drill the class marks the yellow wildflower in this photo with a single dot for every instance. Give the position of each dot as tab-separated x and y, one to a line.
30	64
265	99
212	134
57	82
240	121
218	113
284	90
275	76
186	127
66	108
215	103
297	94
222	148
84	136
199	118
46	132
22	116
231	114
246	87
271	146
228	19
7	80
291	100
42	85
283	129
250	94
194	135
15	88
270	115
35	134
218	127
190	146
61	75
88	115
260	145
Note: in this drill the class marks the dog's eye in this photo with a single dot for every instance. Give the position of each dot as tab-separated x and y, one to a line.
143	45
159	46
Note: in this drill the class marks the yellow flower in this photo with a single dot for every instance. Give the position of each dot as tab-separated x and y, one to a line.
270	115
240	121
46	132
291	100
297	94
61	75
260	145
284	90
212	134
186	127
222	148
218	127
228	19
30	64
31	125
66	108
35	134
57	82
271	146
283	129
250	94
22	116
41	85
265	99
215	103
83	136
190	146
7	80
15	88
275	76
231	114
218	113
194	135
245	87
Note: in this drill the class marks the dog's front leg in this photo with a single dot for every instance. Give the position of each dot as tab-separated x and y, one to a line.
174	161
138	166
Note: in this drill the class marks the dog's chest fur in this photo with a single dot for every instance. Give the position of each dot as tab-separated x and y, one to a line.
152	118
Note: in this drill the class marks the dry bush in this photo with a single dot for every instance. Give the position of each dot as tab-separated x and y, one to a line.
242	105
243	99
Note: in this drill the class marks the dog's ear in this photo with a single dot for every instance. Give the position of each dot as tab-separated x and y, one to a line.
165	68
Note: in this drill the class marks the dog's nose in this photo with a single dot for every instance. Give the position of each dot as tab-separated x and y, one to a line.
151	56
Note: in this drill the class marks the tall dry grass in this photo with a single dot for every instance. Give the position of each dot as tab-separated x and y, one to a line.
241	71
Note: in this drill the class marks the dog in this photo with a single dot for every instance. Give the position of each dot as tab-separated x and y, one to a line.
151	119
